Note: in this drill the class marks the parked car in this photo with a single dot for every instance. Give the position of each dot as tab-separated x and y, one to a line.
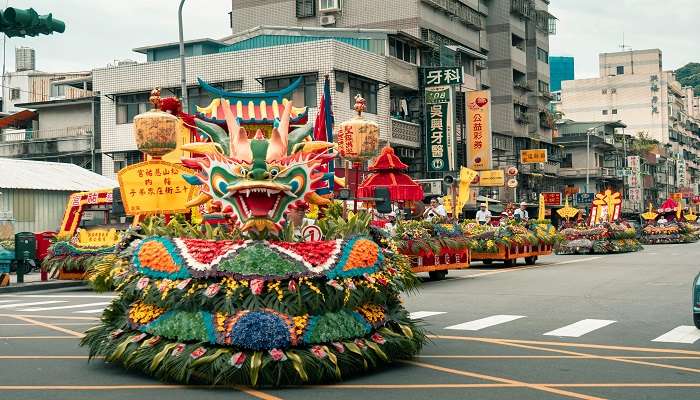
696	301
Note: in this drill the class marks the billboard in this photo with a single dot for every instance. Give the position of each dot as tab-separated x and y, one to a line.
478	141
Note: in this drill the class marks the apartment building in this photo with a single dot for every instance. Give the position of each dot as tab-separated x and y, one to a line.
633	87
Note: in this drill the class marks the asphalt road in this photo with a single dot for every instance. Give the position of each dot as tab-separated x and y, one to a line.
581	327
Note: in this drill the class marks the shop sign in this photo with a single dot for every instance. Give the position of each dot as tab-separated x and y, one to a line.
440	76
439	151
494	177
98	237
155	187
437	95
552	198
533	156
479	130
584	198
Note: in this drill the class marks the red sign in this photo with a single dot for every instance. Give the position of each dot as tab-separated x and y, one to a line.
696	199
552	198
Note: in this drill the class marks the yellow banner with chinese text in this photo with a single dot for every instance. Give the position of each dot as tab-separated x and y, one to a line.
155	187
494	177
533	156
98	237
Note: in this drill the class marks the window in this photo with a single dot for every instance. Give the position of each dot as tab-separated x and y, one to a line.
604	91
517	42
605	112
131	105
304	96
123	159
58	90
306	8
613	91
402	50
366	88
329	5
567	161
614	111
620	70
196	96
543	86
14	94
543	55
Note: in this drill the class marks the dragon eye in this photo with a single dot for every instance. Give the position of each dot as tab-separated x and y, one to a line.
274	172
243	171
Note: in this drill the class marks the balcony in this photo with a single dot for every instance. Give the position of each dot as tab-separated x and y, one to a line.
22	143
523	8
405	133
604	173
523	119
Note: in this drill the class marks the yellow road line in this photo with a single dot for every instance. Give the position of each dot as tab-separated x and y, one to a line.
498	385
564	344
50	326
624	385
504	380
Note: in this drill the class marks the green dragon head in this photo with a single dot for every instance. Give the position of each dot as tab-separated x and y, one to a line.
260	177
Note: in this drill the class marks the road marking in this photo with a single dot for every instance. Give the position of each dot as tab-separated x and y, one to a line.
578	260
48	357
502	380
484	322
64	307
537	357
9	301
246	390
423	314
59	324
580	328
564	344
53	317
682	334
96	310
36	303
49	326
36	337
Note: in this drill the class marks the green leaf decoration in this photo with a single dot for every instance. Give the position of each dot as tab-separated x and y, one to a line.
208	359
255	363
353	347
334	360
298	365
158	358
260	260
406	330
377	350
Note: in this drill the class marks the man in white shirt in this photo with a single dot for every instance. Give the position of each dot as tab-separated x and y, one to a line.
521	213
483	216
435	209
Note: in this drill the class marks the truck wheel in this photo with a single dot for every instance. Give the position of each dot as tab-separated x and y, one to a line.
530	260
487	262
696	320
510	262
437	275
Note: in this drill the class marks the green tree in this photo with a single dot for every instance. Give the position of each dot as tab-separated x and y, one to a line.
689	75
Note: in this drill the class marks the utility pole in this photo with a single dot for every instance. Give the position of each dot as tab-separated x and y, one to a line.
183	76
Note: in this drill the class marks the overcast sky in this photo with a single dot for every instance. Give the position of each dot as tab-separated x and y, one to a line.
101	31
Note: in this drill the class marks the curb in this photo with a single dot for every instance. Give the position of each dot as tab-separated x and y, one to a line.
33	287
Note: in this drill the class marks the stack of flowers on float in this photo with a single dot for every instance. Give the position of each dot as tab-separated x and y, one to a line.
250	307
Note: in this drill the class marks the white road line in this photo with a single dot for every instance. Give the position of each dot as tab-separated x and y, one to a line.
578	260
96	310
485	322
57	296
10	301
423	314
682	334
36	303
64	307
580	328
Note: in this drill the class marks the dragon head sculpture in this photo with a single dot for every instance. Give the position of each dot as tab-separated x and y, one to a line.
259	178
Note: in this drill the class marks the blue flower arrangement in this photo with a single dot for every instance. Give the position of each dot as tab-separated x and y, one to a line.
261	331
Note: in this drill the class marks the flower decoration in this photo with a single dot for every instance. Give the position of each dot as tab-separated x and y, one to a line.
318	351
278	355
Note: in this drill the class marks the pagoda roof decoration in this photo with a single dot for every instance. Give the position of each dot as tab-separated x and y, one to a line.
251	108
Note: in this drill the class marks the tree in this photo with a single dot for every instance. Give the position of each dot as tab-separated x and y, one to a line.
689	75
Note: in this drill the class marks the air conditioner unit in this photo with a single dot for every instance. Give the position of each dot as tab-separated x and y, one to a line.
325	6
327	20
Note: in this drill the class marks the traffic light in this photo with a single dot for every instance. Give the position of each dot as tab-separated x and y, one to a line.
382	200
17	22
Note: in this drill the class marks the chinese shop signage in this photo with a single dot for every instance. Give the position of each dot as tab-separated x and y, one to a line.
479	130
533	156
155	187
552	198
440	76
98	237
438	148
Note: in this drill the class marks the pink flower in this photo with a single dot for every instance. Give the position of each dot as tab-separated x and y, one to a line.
377	338
237	360
369	278
257	286
318	351
162	285
383	281
351	284
182	285
277	355
292	285
178	350
142	283
198	352
212	290
339	347
360	343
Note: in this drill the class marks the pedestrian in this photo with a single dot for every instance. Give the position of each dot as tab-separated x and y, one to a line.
483	216
521	213
435	209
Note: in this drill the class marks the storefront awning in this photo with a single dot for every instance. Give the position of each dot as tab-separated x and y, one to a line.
23	115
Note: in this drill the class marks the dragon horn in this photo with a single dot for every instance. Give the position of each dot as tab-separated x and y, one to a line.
280	135
240	145
200	199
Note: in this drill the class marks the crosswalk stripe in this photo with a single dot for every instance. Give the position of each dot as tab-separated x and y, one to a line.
64	307
36	303
423	314
681	334
580	328
9	301
96	310
485	322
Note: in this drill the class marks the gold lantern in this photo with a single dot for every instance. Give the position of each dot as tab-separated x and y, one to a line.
155	130
358	138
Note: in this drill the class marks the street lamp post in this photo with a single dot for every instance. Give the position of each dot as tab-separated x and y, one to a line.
588	157
183	78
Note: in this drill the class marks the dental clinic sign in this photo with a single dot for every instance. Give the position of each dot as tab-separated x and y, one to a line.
442	76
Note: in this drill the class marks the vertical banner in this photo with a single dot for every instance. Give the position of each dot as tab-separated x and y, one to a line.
681	178
451	132
634	183
479	130
438	149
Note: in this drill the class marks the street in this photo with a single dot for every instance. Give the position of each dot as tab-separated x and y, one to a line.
583	327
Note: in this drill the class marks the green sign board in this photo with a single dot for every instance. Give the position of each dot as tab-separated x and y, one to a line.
440	76
437	95
437	148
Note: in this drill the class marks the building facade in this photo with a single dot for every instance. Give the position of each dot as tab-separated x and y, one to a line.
633	87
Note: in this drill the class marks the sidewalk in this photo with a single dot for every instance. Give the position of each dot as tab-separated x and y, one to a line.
32	282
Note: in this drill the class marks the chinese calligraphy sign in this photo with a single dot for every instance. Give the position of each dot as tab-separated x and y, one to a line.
479	130
438	149
439	76
155	187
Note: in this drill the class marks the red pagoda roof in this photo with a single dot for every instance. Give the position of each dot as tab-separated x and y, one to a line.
387	173
387	160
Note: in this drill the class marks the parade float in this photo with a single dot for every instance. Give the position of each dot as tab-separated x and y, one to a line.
604	233
243	303
512	240
669	225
